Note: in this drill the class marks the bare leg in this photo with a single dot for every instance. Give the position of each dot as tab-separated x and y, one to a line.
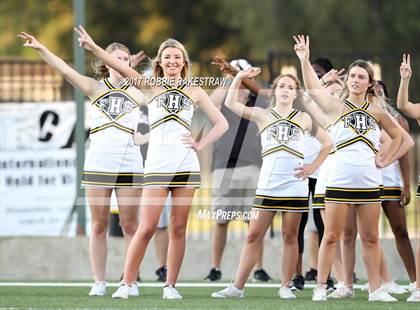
368	222
334	221
161	245
181	205
128	206
218	243
152	202
99	204
256	233
397	219
313	250
290	228
348	246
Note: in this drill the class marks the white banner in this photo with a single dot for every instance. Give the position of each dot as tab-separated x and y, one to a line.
37	191
37	125
37	166
38	172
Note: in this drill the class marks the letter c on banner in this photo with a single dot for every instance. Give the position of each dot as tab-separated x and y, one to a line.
47	122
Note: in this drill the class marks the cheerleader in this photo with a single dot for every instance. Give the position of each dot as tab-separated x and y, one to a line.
171	163
113	162
282	184
353	178
413	111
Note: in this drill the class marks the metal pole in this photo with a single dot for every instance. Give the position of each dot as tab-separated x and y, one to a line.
79	63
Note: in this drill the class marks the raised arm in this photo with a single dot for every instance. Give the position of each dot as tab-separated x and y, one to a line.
254	114
87	43
247	83
316	112
86	84
312	84
412	110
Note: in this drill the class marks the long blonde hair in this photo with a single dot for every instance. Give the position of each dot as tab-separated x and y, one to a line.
99	68
155	63
369	69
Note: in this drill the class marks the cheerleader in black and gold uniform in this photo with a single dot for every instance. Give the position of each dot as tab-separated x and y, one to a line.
413	111
113	162
353	180
171	163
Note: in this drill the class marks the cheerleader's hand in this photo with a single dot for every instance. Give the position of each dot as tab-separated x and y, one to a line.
248	73
405	68
224	66
140	139
30	41
405	196
190	142
332	76
304	171
380	163
137	58
302	46
84	38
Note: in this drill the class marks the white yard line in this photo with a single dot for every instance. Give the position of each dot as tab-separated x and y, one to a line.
151	284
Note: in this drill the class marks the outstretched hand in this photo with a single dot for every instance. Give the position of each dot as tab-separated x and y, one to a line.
333	75
137	58
224	65
249	73
84	38
302	46
405	68
31	41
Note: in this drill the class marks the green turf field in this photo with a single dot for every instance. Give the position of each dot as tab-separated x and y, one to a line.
194	298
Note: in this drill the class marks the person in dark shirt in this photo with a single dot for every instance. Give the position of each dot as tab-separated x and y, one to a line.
236	167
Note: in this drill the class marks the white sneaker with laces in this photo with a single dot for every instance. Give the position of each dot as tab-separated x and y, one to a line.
319	293
134	291
412	287
342	292
285	292
169	292
122	292
229	292
98	289
415	296
380	295
393	288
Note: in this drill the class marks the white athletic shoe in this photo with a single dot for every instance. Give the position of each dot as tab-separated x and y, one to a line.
170	292
393	288
365	287
412	287
342	292
319	293
122	292
229	292
134	291
415	296
380	295
98	289
285	291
